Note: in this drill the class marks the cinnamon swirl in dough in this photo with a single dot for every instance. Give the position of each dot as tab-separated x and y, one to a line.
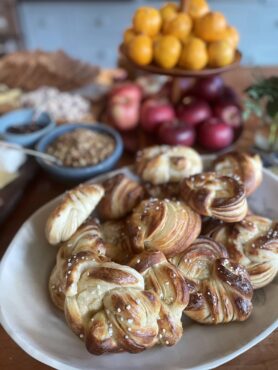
247	167
253	243
170	190
75	207
106	304
124	282
169	284
86	243
117	244
220	290
165	225
162	164
121	195
209	194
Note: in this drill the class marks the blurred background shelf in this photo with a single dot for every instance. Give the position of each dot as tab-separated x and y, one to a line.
11	37
256	20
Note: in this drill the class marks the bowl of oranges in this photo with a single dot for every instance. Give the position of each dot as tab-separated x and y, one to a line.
185	40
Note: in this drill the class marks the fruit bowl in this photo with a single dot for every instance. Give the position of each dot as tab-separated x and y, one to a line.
139	139
179	72
207	111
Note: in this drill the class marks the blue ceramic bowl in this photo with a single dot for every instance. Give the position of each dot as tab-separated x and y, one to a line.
21	117
70	174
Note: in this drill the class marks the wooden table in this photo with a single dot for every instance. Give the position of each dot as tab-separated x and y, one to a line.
42	189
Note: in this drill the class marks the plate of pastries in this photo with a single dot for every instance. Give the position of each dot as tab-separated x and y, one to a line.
170	263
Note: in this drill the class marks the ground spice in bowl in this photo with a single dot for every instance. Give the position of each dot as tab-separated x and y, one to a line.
82	147
27	128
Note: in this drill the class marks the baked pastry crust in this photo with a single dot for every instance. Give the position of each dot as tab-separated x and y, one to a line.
163	164
220	290
165	225
85	244
133	330
117	244
209	225
122	194
170	190
124	284
222	197
253	243
169	284
75	207
106	304
246	167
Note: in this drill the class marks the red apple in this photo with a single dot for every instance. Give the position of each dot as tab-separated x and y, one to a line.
208	88
154	112
176	134
125	91
215	134
228	113
185	86
229	95
193	111
124	116
124	105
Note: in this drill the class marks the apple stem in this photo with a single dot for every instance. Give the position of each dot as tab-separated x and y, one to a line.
175	92
184	5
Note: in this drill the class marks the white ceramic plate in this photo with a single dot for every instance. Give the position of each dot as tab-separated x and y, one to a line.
31	320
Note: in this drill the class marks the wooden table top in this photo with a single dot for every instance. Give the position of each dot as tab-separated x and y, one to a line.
42	189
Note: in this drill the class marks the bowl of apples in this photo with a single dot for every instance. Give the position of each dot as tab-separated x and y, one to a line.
206	115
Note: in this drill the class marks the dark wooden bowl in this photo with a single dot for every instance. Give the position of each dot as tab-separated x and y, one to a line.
137	139
179	72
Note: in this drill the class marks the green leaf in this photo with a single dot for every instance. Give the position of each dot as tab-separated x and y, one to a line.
263	95
264	88
251	107
272	107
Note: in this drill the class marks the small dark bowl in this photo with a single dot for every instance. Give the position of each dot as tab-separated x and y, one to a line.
70	174
21	117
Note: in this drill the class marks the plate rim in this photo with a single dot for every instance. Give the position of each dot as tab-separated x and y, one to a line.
40	356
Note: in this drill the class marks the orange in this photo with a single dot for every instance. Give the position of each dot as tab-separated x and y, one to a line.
147	20
197	8
220	53
168	12
140	49
211	26
128	35
167	51
194	54
232	36
156	38
180	26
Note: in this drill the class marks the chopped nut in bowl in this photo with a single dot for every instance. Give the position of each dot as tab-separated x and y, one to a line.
84	150
82	147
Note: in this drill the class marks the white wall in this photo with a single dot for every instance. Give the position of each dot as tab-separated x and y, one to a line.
91	30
